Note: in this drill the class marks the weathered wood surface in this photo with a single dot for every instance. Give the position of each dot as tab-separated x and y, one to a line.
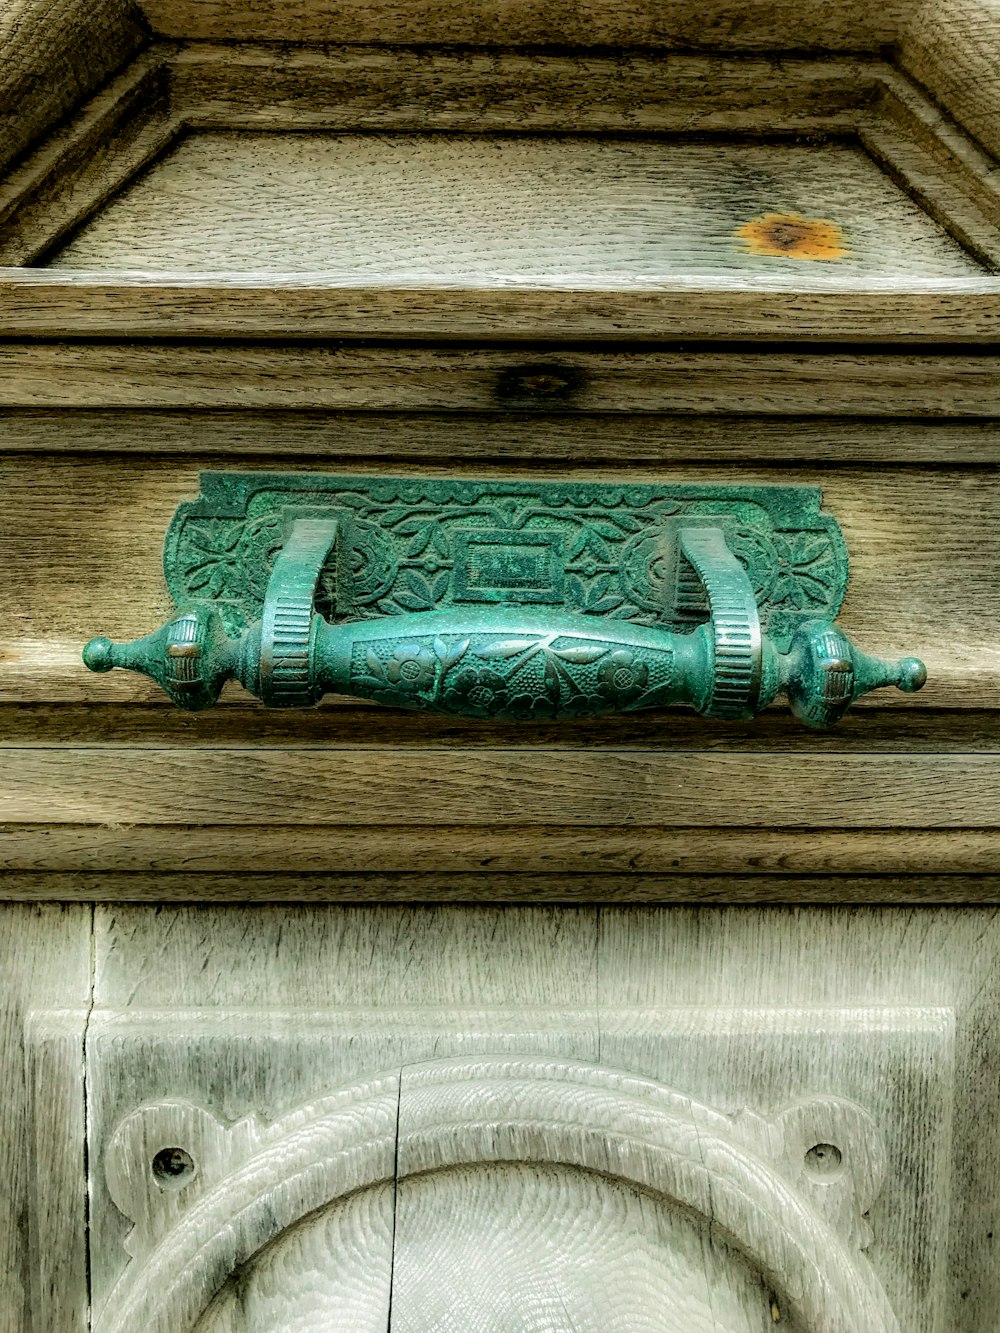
952	49
867	727
502	380
440	88
46	303
250	889
172	859
268	1015
445	438
114	784
121	129
45	965
471	210
171	89
53	54
721	24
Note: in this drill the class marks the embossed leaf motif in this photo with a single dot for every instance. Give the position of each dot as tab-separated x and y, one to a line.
420	541
806	570
217	541
374	665
504	648
449	657
581	653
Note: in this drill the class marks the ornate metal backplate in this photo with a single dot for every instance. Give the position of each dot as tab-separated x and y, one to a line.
409	544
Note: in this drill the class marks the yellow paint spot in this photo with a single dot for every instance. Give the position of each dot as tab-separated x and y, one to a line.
791	236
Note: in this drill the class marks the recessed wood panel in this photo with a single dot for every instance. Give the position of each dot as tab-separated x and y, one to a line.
489	1048
471	209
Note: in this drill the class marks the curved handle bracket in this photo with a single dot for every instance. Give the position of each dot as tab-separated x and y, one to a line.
287	678
735	621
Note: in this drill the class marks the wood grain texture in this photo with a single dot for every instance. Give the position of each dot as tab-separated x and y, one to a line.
471	211
685	1012
952	50
205	87
910	534
333	1265
74	859
45	962
114	785
44	303
721	24
332	438
121	129
462	379
339	721
363	88
480	1248
925	126
567	890
664	958
54	53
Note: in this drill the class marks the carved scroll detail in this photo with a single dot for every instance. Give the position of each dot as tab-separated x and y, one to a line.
766	1186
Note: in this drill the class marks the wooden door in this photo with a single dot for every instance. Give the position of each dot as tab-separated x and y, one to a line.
362	1019
518	1118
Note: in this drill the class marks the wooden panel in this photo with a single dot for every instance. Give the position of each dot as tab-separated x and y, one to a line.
44	303
510	1036
45	963
419	966
446	439
357	88
117	785
472	210
720	24
87	375
878	957
338	88
920	543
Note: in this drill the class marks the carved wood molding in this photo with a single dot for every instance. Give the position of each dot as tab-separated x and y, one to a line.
788	1192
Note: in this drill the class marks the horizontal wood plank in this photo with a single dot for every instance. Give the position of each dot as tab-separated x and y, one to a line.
119	785
414	379
915	889
40	303
867	728
492	850
757	25
514	435
355	87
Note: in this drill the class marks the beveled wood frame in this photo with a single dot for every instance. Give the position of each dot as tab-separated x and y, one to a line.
172	89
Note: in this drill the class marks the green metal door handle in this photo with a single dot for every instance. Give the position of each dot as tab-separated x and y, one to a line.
484	651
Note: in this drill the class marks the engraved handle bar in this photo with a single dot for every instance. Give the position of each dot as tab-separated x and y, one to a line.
506	661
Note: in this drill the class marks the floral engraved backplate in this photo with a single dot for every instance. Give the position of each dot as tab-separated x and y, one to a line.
413	544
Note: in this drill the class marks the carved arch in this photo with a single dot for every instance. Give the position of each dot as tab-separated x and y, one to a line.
742	1175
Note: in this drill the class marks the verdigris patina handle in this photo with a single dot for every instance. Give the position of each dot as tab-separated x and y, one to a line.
480	656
